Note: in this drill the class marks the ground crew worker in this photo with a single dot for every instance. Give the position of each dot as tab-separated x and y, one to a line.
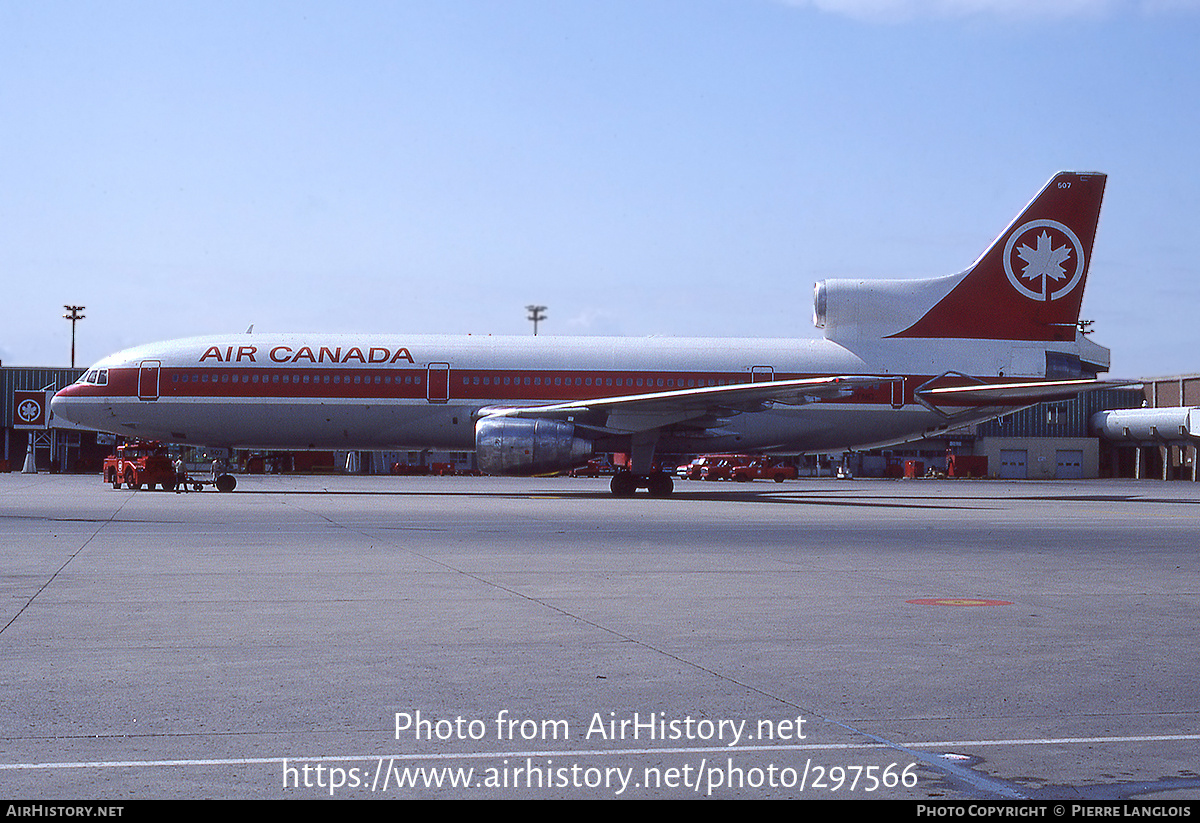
181	477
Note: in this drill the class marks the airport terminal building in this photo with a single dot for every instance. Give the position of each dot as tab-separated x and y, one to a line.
55	450
1061	440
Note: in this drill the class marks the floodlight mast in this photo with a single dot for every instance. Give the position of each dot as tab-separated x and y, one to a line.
74	316
536	313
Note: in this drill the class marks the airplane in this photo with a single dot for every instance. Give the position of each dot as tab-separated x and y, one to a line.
899	360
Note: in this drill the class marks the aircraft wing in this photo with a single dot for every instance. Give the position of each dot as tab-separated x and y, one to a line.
635	413
643	412
1005	394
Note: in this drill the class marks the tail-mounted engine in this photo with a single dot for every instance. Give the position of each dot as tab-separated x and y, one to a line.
518	446
873	309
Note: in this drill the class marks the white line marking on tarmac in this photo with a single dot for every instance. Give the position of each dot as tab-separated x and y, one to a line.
948	744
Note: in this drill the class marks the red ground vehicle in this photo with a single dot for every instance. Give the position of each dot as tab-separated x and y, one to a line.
698	468
763	467
594	468
722	466
739	467
140	463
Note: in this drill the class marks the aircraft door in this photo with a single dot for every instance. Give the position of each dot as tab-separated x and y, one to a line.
762	374
148	379
897	392
437	383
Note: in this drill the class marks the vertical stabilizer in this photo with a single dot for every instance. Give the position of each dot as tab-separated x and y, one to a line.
1029	284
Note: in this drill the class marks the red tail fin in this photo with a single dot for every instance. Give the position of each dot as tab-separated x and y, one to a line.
1029	284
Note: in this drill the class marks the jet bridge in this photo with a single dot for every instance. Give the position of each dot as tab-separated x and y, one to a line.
1174	430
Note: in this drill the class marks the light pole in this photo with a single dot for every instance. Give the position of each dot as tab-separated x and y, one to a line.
536	313
73	317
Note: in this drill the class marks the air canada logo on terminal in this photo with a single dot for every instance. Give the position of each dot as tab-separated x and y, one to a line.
306	354
29	411
1044	260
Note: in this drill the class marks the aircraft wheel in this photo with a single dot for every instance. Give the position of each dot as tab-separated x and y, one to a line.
660	485
623	484
226	483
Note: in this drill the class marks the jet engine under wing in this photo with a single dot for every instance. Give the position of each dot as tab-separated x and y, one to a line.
643	412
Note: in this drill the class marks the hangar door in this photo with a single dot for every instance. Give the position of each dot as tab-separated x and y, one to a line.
1069	464
1013	464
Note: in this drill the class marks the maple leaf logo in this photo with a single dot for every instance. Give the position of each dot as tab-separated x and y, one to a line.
1045	261
29	411
1053	264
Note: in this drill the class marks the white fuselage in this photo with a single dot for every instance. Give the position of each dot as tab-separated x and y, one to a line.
321	391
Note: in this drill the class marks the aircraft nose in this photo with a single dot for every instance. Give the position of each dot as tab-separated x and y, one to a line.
65	408
58	406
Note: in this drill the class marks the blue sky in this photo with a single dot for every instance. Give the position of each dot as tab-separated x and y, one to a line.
641	167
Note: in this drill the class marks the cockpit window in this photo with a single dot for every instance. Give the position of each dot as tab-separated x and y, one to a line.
95	377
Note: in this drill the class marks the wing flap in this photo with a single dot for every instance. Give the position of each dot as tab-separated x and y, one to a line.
1004	394
643	412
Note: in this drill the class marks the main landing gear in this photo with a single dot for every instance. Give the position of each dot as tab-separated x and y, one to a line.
625	483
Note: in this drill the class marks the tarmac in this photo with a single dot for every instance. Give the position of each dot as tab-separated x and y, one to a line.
380	637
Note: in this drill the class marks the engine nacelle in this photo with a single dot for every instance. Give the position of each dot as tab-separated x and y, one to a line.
874	309
520	446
